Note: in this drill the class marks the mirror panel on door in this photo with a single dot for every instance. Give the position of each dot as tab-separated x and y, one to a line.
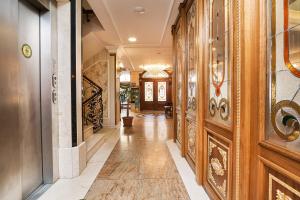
161	91
282	127
218	132
219	63
283	101
149	91
179	42
191	122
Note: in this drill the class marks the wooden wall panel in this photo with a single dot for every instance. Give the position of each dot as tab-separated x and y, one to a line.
191	139
191	82
275	157
245	108
281	187
178	34
219	97
218	165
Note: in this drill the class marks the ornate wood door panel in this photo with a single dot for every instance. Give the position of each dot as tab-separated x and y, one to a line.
218	134
191	84
277	156
179	72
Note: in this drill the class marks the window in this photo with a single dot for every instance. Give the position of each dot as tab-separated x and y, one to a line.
219	63
283	110
148	91
162	91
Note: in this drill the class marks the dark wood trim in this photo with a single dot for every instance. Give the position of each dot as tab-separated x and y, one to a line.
280	150
73	73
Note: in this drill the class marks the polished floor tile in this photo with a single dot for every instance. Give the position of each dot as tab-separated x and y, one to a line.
140	166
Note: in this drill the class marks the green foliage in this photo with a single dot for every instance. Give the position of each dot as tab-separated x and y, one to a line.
125	93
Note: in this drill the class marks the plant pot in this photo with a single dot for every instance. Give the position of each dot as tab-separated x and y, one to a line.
127	121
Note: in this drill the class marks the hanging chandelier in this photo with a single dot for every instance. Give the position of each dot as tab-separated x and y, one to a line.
155	69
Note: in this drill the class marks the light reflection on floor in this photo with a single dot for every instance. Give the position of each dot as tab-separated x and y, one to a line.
140	166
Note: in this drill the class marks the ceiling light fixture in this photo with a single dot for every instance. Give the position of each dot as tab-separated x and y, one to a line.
121	65
140	10
132	39
155	68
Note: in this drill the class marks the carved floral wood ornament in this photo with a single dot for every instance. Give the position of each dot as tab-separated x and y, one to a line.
179	64
192	140
179	136
191	124
280	190
219	61
285	69
217	171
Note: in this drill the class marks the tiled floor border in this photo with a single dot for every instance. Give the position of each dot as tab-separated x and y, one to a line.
195	191
77	188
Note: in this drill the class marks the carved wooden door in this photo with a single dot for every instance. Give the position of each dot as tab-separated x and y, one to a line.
218	134
191	85
179	46
276	155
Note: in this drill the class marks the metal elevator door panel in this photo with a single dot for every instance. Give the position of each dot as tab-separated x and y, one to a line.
30	98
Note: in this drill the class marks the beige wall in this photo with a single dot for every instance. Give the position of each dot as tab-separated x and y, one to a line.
135	77
100	68
96	69
91	46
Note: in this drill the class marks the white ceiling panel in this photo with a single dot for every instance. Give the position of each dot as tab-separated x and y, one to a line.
149	55
149	27
152	29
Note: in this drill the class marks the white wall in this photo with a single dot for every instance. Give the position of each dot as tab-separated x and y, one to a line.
112	91
72	160
78	73
91	45
54	55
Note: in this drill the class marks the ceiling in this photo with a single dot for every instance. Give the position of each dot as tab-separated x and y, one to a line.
119	21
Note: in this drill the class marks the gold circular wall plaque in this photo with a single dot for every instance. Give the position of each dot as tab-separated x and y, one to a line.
26	51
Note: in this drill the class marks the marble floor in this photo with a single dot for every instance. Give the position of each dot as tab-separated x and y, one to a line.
140	166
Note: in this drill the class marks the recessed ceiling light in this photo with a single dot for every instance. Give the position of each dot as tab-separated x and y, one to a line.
132	39
140	10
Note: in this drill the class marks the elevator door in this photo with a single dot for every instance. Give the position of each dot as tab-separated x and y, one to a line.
30	100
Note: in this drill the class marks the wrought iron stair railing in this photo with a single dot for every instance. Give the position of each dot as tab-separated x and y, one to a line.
92	106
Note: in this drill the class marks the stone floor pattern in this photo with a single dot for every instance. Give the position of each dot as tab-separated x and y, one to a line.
140	166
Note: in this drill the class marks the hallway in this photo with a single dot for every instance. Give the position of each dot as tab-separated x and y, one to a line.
149	100
140	166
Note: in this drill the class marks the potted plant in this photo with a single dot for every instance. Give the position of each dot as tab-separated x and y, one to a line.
127	120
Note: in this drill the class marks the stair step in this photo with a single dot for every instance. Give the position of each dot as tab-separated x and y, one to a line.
88	131
93	143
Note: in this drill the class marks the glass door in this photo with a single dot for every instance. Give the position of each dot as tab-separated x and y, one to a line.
278	150
155	93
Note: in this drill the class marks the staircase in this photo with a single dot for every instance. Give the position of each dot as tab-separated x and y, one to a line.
92	108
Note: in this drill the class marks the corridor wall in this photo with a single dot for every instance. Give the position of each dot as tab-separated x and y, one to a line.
187	117
100	68
247	113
